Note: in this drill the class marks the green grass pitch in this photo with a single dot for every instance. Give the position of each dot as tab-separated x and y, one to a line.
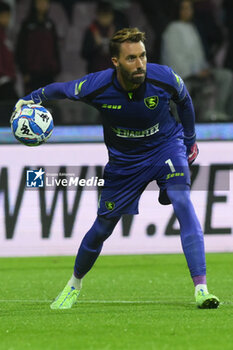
127	302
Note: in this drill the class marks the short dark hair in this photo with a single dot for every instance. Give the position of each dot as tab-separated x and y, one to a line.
132	35
4	7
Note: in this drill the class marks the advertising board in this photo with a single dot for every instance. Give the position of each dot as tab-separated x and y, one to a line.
53	220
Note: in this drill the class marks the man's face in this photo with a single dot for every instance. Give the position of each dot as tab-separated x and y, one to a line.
4	19
42	6
105	19
186	11
131	63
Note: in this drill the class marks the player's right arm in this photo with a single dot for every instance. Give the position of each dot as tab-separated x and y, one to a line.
73	90
78	90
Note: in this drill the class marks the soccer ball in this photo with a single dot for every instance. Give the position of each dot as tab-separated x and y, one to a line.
32	125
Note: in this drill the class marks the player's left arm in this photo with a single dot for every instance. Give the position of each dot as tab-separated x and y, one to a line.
186	114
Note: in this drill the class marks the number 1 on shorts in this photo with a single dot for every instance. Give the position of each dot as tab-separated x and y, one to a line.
170	164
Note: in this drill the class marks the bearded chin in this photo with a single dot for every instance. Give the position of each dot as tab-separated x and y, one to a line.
130	77
137	80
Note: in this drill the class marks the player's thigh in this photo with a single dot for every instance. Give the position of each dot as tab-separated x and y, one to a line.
122	190
174	168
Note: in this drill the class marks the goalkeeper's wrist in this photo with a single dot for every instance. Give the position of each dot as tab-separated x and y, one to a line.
189	140
188	137
38	95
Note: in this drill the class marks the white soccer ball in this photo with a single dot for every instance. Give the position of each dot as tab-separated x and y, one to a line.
32	125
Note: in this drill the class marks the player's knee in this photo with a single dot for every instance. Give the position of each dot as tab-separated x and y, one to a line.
194	235
100	231
106	226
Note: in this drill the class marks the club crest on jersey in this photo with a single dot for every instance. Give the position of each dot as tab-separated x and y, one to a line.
151	102
110	205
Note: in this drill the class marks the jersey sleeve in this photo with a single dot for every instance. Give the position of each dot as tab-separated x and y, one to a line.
73	90
184	104
79	90
179	86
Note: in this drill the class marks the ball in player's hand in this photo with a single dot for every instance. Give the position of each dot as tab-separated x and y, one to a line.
32	125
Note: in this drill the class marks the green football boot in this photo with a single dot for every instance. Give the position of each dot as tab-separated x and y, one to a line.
206	301
66	299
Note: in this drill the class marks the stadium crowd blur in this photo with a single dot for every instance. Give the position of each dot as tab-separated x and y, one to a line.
42	41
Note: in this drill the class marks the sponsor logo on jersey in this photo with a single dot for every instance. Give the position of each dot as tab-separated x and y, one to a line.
177	78
78	87
43	93
179	81
151	102
169	176
136	133
130	94
110	205
105	105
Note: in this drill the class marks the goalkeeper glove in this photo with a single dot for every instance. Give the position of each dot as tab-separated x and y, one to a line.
33	98
192	148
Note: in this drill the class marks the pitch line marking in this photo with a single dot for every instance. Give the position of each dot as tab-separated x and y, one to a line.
95	301
110	301
88	301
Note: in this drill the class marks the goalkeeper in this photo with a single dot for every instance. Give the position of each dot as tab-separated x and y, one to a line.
144	143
